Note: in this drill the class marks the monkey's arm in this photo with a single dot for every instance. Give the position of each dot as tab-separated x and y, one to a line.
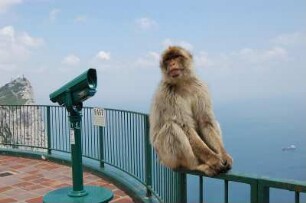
210	131
211	134
209	128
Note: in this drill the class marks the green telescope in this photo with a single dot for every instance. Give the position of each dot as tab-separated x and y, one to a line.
71	95
77	90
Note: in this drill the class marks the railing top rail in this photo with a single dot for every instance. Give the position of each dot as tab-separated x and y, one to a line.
126	111
87	107
294	185
29	105
287	184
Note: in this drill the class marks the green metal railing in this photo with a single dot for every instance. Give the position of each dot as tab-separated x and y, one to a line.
259	186
123	144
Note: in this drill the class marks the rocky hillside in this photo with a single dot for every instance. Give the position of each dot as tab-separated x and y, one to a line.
17	92
21	123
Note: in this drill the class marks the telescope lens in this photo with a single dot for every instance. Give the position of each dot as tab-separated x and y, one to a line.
92	78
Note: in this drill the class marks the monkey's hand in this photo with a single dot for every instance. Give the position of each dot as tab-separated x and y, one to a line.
216	165
227	161
212	166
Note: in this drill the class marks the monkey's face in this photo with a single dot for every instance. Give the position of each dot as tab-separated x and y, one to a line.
176	64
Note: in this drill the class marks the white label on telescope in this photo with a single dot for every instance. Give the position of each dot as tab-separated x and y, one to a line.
98	117
72	138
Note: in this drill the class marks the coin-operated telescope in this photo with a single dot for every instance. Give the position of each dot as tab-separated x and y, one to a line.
77	90
72	95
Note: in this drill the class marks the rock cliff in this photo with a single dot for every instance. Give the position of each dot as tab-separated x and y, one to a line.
17	92
21	123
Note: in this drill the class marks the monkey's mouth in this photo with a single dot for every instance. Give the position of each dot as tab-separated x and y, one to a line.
175	73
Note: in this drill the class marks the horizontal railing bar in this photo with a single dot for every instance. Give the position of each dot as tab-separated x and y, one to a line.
124	111
87	107
292	185
286	184
229	176
133	176
22	145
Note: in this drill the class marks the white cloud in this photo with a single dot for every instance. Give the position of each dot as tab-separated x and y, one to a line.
154	55
202	59
27	40
151	59
8	31
80	19
146	23
71	60
291	39
102	61
182	43
254	56
246	59
103	56
15	47
6	4
54	14
251	73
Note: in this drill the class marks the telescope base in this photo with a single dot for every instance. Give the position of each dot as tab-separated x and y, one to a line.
94	194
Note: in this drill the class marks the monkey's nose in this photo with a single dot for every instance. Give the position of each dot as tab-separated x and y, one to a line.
172	65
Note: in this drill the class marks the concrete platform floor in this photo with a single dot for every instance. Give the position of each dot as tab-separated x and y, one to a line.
28	180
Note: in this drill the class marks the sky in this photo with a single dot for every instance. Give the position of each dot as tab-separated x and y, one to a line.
245	50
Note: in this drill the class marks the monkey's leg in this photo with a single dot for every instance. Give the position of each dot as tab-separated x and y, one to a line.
203	152
173	148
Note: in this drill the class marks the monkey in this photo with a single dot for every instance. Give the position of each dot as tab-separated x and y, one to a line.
183	129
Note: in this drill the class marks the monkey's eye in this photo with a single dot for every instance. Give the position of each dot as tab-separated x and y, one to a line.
174	56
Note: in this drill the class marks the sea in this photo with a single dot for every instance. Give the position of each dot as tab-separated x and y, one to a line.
266	138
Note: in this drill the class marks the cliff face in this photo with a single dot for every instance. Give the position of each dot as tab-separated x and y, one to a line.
17	92
21	124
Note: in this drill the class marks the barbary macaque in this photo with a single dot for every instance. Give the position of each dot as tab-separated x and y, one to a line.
183	128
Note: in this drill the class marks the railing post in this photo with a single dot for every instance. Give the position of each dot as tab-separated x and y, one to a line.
263	193
148	156
226	191
254	192
101	136
182	187
48	130
201	189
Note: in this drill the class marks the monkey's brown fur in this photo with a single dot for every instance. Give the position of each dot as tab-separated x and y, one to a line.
183	128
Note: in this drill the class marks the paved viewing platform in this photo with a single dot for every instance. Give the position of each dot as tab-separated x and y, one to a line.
27	180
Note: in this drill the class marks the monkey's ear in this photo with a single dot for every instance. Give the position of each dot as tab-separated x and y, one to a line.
190	55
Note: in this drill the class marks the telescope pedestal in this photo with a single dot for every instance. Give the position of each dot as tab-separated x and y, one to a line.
94	194
78	193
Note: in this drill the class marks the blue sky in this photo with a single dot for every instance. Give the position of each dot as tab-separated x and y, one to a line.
244	50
